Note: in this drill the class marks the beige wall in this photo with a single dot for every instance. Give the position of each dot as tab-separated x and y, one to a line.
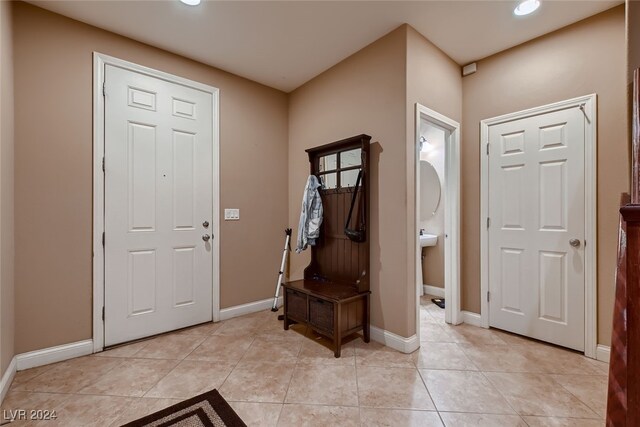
433	80
633	36
365	93
53	174
374	92
6	189
587	57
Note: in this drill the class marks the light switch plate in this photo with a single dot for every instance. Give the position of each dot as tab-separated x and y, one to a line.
231	214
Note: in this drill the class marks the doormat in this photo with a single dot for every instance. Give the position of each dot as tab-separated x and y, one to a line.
438	301
206	410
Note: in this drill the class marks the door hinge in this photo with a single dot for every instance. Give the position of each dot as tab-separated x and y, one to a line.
102	163
488	222
103	239
104	88
487	148
103	312
488	296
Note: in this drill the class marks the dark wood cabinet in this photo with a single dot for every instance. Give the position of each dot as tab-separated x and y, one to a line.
333	298
329	311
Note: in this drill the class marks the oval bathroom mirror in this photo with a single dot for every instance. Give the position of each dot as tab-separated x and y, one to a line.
430	189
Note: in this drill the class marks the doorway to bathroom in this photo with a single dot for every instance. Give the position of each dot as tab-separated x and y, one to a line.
437	228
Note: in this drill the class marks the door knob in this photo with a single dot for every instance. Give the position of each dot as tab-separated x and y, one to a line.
575	243
206	237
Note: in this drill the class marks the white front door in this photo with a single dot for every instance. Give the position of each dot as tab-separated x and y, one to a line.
158	205
537	227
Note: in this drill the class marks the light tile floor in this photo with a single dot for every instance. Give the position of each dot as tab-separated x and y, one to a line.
461	376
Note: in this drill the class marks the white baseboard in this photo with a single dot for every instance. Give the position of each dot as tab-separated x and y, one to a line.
7	377
252	307
470	318
54	354
433	290
396	342
603	353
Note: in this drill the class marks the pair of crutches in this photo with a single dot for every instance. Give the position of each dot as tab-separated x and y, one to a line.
287	247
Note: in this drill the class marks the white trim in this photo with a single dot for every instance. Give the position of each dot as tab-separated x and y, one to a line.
99	62
251	307
591	132
472	319
395	341
7	378
484	235
98	203
49	355
603	353
591	227
451	215
433	290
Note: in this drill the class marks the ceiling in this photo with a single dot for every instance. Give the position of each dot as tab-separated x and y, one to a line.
283	44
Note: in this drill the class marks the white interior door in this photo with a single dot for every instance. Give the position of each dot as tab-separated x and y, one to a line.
537	227
158	205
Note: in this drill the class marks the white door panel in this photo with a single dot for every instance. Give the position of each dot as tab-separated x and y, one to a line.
158	193
536	206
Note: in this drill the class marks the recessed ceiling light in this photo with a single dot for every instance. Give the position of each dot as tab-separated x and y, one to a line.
526	7
191	2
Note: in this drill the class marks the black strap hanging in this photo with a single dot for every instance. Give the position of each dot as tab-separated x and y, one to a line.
359	235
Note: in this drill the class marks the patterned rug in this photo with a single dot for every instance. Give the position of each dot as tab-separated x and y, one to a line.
206	410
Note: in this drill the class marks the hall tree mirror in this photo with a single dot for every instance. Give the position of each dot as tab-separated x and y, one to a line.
340	170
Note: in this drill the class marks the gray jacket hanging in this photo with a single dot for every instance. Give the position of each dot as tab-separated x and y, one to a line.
310	216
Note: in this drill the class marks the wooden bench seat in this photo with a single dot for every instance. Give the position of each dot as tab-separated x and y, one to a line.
331	309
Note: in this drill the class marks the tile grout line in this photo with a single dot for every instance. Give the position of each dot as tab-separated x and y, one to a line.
295	366
284	399
51	366
415	362
144	395
124	409
523	372
577	397
424	382
355	367
253	338
25	384
500	393
483	375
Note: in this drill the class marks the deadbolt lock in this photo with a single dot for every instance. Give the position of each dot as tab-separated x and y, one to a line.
205	224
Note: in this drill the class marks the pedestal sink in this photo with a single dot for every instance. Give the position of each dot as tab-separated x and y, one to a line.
427	239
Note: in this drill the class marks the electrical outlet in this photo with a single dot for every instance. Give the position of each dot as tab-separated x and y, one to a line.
231	214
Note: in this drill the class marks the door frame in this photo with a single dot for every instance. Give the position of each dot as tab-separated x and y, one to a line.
453	312
99	62
588	105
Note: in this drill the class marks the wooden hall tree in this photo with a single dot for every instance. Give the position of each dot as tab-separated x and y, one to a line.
333	297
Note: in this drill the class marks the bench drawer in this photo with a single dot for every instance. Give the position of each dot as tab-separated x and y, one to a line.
321	314
296	305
